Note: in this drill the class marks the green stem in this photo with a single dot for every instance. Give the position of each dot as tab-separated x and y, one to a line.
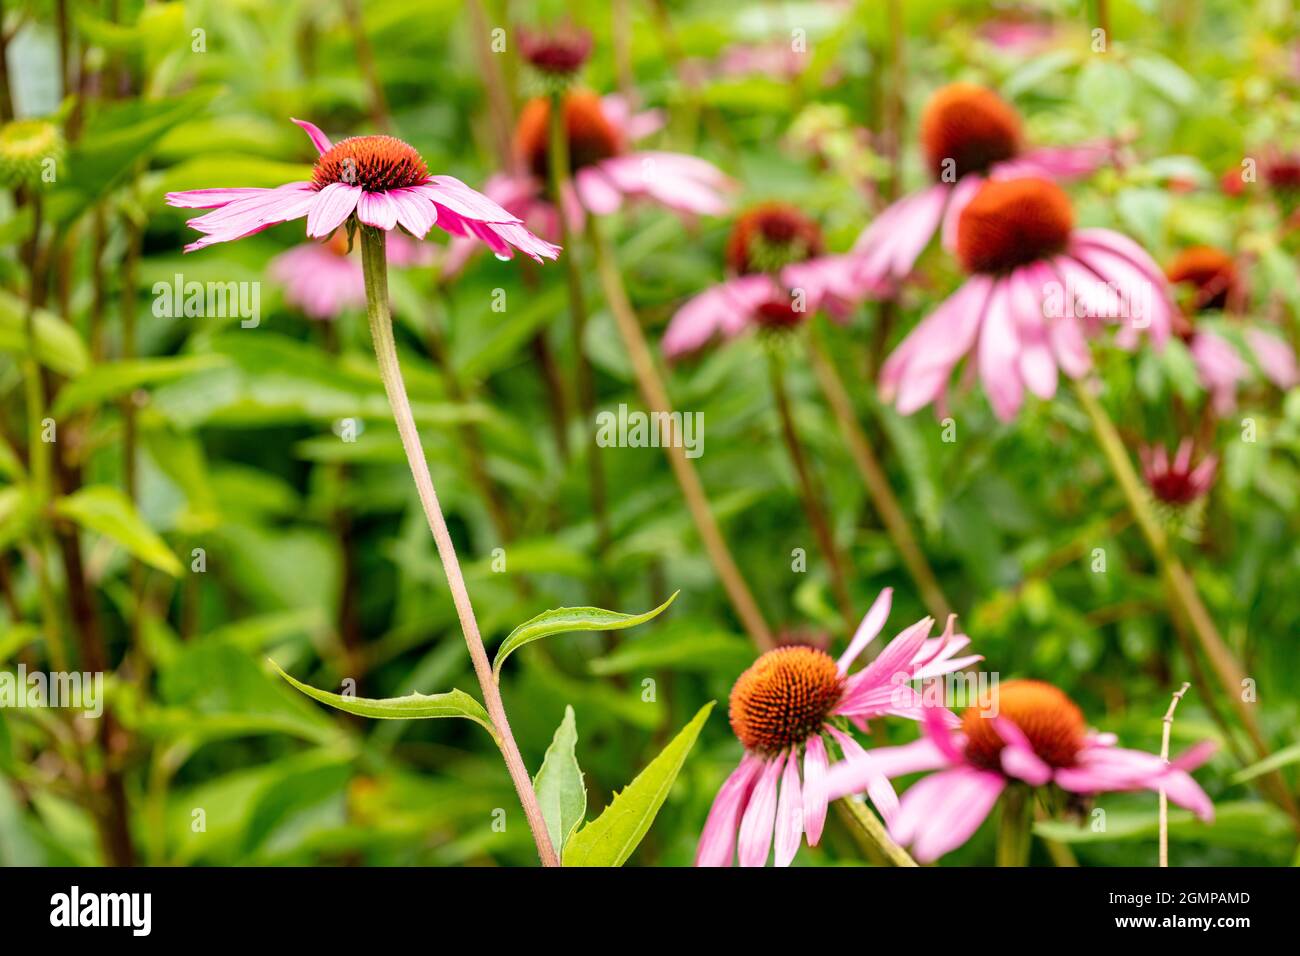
558	176
655	396
1186	601
1013	827
869	825
375	267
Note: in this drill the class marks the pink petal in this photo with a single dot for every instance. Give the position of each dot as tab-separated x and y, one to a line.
331	209
871	625
1275	357
463	201
596	192
376	209
415	212
917	372
212	198
999	350
760	814
815	799
941	812
718	839
1018	758
789	814
724	309
878	787
318	139
845	778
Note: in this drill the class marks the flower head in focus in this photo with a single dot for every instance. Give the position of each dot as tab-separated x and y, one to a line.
1038	290
786	708
381	181
1029	733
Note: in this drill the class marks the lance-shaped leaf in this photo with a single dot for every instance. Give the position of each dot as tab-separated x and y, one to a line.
561	620
105	510
610	839
454	703
558	785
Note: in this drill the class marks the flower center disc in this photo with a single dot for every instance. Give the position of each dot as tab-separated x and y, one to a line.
966	129
591	135
783	698
770	236
375	163
1013	222
1209	271
1051	721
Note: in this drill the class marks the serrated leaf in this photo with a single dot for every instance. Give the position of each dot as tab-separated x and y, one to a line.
561	620
105	510
558	784
610	839
454	703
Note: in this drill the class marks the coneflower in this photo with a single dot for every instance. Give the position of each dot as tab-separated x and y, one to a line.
1177	480
1211	280
793	704
1029	734
1038	290
969	135
371	185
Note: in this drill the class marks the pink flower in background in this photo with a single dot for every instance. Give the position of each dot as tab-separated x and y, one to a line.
1176	481
1211	277
1039	289
1030	732
969	135
323	280
605	168
379	178
783	704
780	276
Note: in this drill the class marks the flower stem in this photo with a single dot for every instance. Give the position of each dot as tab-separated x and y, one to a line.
656	396
873	476
809	493
1182	590
1168	721
1013	827
375	267
558	174
869	825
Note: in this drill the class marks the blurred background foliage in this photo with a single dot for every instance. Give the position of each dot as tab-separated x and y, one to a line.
315	549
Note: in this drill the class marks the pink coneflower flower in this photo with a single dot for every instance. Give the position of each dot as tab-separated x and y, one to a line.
969	135
1211	277
784	704
780	274
559	51
379	179
1039	288
323	280
1035	735
1176	481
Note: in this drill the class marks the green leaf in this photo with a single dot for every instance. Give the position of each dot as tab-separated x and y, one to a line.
1283	758
1165	77
114	379
454	703
58	346
561	620
105	510
610	839
558	785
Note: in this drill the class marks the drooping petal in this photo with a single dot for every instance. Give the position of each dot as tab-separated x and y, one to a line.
723	310
845	778
760	814
378	210
212	198
596	192
1018	757
332	207
890	246
878	787
815	799
940	812
789	814
999	351
1274	357
718	839
872	623
252	214
416	214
